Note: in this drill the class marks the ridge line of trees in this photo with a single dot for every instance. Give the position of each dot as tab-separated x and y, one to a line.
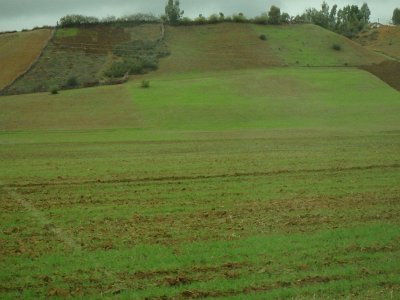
348	21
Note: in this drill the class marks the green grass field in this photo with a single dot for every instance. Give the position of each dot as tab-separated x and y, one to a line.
279	183
311	45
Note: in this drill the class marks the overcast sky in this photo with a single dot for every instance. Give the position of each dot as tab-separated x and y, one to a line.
19	14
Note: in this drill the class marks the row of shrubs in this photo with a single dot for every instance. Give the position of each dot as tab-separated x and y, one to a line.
140	18
145	84
79	20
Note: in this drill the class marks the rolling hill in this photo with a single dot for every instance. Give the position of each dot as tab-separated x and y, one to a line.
86	53
18	51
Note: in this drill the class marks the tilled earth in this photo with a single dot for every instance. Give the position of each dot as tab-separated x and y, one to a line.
227	218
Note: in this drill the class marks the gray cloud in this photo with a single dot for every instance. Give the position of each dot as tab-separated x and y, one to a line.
18	14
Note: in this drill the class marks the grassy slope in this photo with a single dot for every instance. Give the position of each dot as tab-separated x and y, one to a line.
311	45
385	39
103	107
272	184
18	51
237	46
215	47
270	99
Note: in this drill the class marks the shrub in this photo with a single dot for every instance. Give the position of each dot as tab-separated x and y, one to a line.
263	37
72	82
118	69
149	62
54	91
263	19
336	47
240	18
145	84
136	67
213	19
186	21
200	20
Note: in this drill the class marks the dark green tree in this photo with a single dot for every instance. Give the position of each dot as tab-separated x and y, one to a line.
365	13
396	16
173	12
274	15
332	17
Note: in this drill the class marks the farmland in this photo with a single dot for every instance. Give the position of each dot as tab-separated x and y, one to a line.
81	53
257	183
18	51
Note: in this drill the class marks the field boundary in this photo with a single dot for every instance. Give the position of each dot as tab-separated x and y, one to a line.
33	64
202	177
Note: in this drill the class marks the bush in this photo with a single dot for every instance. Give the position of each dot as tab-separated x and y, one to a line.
186	21
263	37
145	84
200	20
263	19
118	69
213	19
72	82
240	18
136	67
336	47
54	91
150	63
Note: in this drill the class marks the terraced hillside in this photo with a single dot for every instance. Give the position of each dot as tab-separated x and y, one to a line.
18	51
82	53
256	184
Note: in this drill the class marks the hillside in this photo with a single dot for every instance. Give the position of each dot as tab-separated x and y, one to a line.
226	46
311	45
18	51
82	53
385	40
87	53
222	100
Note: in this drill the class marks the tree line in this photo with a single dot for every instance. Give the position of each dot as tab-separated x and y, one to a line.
349	20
